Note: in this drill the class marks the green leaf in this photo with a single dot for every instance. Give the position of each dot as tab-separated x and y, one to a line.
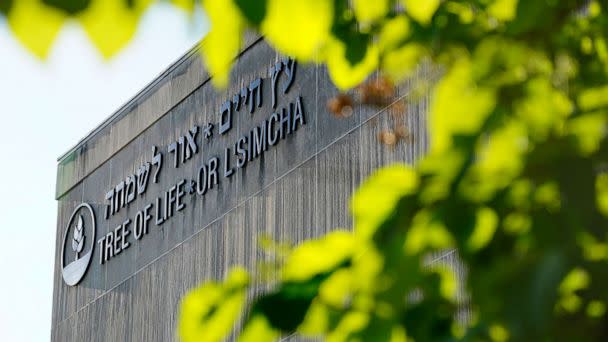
286	307
35	25
223	42
350	323
422	10
593	98
368	11
71	7
503	10
5	6
356	45
378	197
448	282
459	107
596	309
344	74
254	11
601	188
427	232
499	160
543	108
589	131
319	256
298	28
208	312
394	32
498	333
187	5
110	24
485	227
399	63
258	329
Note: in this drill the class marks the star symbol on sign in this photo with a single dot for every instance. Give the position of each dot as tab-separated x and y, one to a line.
208	131
190	187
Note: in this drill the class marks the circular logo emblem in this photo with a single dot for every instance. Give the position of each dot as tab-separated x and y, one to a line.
78	244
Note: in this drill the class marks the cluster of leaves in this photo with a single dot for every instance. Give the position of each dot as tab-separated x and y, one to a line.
109	24
516	178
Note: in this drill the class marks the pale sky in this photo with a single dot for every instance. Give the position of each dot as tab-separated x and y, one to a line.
46	107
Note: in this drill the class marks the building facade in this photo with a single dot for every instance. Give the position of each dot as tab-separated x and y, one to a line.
181	182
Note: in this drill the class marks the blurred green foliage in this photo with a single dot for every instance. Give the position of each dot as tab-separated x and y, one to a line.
516	178
110	24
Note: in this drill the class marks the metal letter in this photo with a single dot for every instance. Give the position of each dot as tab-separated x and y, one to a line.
275	71
119	196
172	148
124	244
212	172
117	240
272	137
244	96
138	225
192	147
182	148
258	142
101	243
255	86
201	181
285	122
290	70
241	152
158	218
109	208
179	205
228	171
142	177
158	161
170	203
130	189
109	249
298	115
236	100
147	217
225	117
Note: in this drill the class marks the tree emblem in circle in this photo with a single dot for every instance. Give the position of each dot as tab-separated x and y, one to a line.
80	236
78	240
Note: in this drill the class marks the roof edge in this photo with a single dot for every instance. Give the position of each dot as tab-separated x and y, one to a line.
125	106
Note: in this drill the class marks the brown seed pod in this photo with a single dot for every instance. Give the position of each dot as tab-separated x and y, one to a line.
341	105
385	87
346	111
377	92
388	138
401	132
364	94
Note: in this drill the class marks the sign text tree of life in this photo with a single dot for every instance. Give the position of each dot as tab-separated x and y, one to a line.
279	124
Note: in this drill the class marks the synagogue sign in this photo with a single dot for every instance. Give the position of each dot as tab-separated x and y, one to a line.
278	123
